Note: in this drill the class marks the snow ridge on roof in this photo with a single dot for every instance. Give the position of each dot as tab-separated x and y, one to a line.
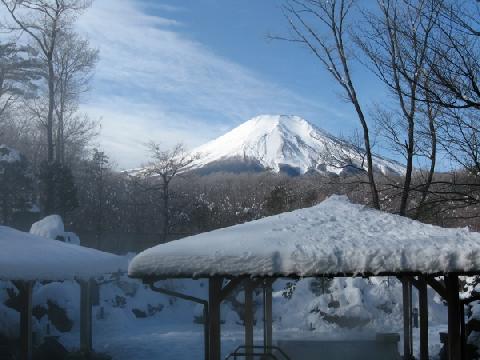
334	237
24	256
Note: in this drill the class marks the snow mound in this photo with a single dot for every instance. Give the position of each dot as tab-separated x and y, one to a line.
285	143
9	155
30	257
49	227
332	238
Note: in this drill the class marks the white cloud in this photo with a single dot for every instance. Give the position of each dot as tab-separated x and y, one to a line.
153	82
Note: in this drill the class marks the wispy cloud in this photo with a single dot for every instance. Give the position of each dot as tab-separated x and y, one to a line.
154	82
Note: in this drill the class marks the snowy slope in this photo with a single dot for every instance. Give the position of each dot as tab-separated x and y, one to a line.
285	143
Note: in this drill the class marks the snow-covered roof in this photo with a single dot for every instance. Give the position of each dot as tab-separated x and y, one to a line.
24	256
333	238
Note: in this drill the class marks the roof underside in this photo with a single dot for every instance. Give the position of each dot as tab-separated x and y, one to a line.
24	256
333	238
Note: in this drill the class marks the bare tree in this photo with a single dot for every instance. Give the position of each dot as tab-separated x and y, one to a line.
396	41
44	21
305	17
454	71
74	62
454	64
19	69
166	164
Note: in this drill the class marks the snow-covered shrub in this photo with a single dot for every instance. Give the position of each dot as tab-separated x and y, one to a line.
49	227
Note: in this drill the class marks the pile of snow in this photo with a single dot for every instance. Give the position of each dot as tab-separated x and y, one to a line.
332	238
50	227
24	256
9	155
286	143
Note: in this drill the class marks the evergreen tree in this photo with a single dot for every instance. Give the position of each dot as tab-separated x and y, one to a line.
65	192
15	184
277	201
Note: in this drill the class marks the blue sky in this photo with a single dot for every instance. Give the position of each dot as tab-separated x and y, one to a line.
188	71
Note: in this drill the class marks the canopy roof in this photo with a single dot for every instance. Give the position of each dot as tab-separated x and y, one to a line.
24	256
335	237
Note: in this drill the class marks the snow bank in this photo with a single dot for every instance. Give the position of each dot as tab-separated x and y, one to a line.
9	155
49	227
24	256
334	237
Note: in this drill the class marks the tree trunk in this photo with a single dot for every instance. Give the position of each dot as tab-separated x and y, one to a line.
409	170
166	215
368	149
50	146
433	162
352	93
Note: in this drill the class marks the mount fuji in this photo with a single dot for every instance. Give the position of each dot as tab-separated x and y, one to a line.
284	143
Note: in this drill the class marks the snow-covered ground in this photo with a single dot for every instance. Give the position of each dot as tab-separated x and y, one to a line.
133	322
344	308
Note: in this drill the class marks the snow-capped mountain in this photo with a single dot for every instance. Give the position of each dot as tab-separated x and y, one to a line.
284	143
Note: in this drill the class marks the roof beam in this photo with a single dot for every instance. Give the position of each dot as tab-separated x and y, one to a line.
438	287
227	289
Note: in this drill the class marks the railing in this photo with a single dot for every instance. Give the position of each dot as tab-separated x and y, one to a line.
244	351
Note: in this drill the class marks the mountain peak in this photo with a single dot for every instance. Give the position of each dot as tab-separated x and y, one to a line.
266	123
275	120
283	143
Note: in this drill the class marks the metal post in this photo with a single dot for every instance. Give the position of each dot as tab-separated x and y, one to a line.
453	299
423	305
407	318
214	290
267	316
25	288
86	315
248	317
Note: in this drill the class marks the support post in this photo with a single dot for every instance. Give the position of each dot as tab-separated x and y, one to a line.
206	337
26	343
463	336
453	299
248	317
214	293
423	307
267	316
407	318
86	315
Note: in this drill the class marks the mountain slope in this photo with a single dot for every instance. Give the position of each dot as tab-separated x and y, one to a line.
284	143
